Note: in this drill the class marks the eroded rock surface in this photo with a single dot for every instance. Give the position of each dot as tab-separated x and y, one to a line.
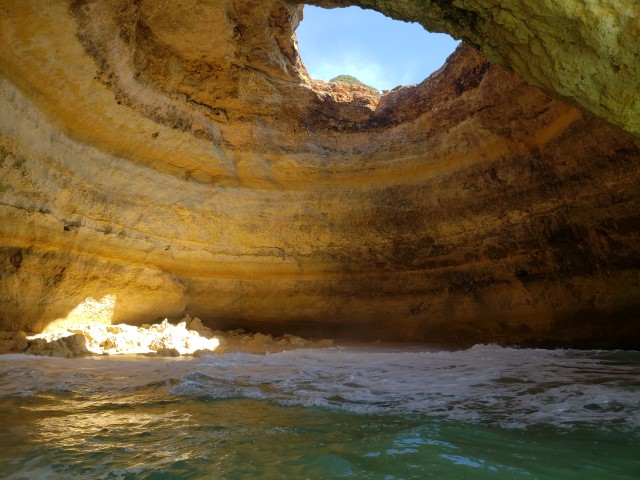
161	157
585	52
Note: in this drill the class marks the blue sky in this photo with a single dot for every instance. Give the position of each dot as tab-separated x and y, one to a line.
380	52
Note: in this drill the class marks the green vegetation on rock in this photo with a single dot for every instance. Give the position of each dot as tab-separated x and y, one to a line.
352	80
346	79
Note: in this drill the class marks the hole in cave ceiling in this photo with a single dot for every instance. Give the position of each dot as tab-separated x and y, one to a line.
380	52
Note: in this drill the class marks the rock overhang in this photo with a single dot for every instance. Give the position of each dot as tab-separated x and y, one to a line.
584	53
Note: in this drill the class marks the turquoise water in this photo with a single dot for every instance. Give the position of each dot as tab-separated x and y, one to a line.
486	412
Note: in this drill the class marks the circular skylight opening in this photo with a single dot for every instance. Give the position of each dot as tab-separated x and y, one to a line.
378	51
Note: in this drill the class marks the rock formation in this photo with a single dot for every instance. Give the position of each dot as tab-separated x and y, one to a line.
189	337
584	52
158	158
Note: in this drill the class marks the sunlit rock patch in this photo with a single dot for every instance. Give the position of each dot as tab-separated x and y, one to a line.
189	337
92	338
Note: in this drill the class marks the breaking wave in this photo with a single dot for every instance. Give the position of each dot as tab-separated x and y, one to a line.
487	384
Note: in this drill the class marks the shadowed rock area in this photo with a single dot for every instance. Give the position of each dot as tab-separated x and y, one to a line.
161	158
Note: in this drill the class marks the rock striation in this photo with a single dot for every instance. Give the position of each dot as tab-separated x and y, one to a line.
158	158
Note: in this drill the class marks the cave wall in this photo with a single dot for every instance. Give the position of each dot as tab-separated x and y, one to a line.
160	158
584	52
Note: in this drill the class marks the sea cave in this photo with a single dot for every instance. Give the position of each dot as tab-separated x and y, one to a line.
173	160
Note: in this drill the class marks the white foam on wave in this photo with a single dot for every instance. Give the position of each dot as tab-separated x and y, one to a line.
512	387
488	384
36	468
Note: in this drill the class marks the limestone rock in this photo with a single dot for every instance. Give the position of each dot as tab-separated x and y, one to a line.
196	325
20	342
168	352
324	343
205	353
262	339
162	157
39	346
76	343
65	347
295	340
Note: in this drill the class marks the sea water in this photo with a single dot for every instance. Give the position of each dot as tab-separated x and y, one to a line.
486	412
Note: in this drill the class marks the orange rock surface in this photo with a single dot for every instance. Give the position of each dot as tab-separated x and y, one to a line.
159	158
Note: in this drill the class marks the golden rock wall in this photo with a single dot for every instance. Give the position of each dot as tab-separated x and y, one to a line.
158	158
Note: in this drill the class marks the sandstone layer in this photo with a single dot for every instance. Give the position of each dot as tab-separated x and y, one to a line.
158	158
